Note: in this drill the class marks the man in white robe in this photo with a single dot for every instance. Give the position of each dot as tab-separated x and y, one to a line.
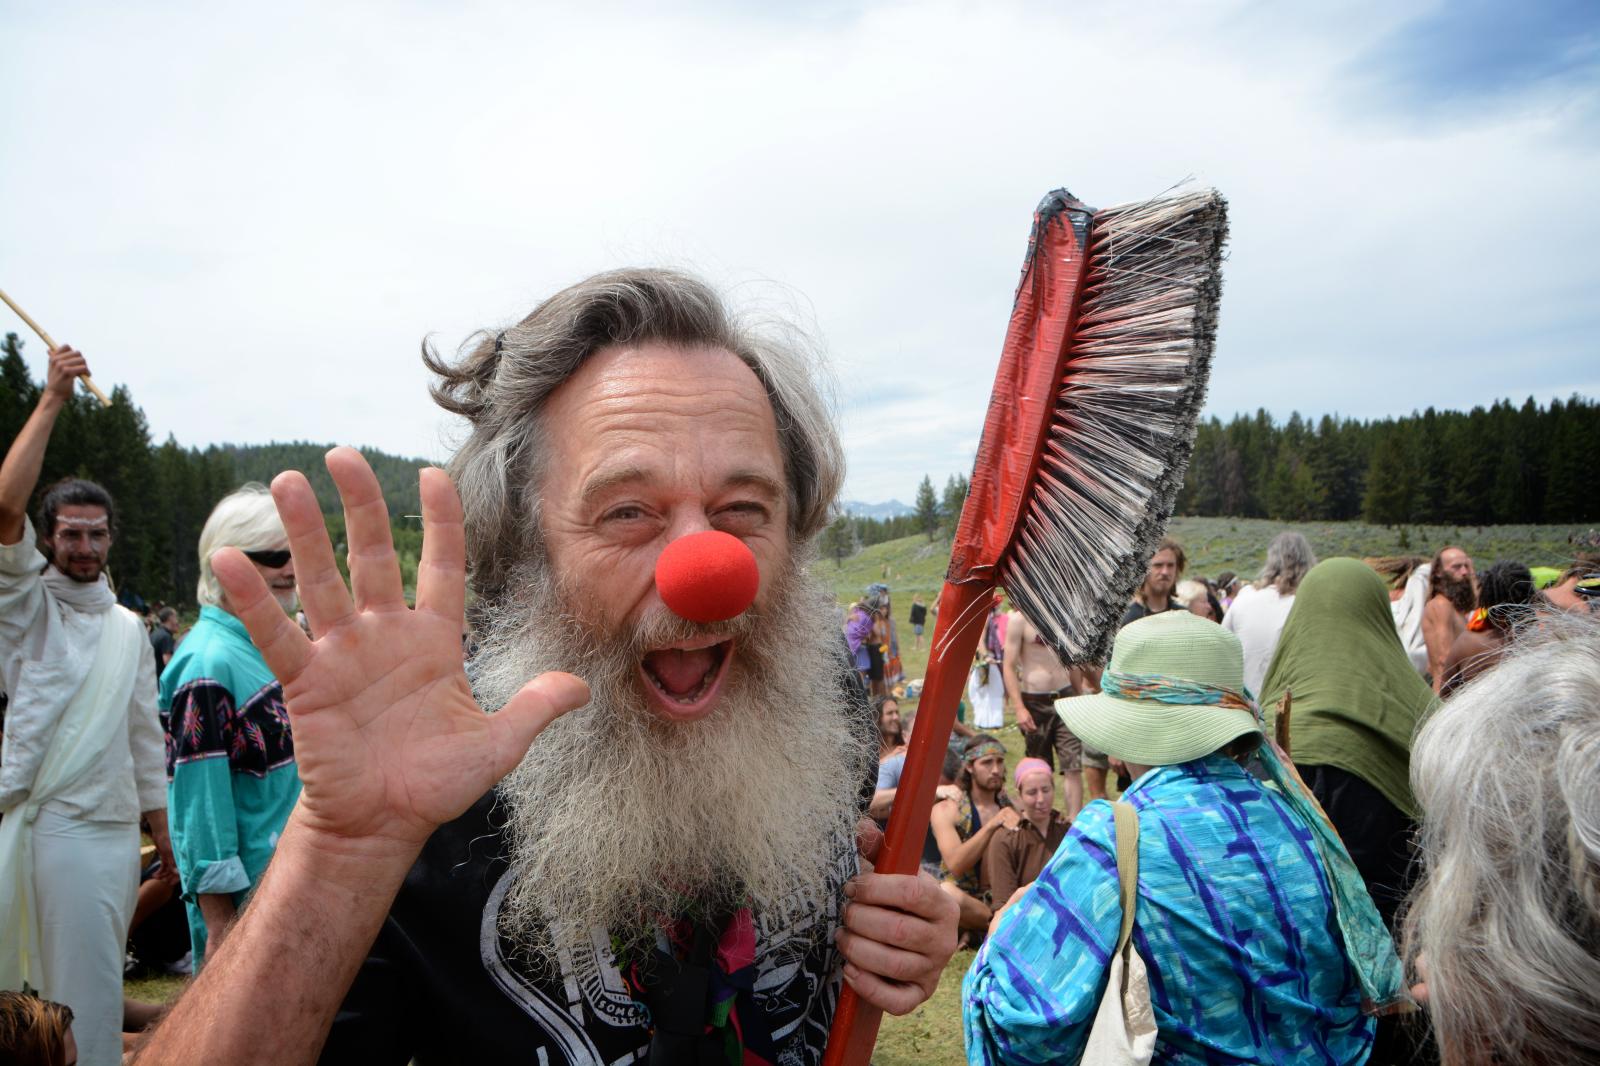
83	756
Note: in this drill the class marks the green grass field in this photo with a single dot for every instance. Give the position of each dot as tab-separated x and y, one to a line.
932	1033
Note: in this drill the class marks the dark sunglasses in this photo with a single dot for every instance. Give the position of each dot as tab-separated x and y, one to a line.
271	560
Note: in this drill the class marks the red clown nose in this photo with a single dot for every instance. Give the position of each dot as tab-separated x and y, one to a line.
707	577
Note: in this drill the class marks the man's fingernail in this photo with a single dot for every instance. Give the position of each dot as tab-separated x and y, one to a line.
849	889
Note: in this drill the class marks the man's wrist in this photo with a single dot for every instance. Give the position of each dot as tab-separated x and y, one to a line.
362	865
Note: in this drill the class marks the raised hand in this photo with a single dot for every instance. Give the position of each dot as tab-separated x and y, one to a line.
388	739
67	365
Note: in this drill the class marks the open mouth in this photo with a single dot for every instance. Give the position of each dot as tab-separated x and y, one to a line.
682	683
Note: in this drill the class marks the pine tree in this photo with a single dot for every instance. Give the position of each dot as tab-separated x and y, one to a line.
838	540
954	497
1391	489
927	508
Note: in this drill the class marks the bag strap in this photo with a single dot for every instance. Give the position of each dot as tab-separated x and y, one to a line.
1127	824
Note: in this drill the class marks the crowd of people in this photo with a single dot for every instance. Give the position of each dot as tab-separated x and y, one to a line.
1301	810
1339	661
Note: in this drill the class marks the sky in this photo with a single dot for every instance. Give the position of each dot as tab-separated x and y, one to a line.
252	216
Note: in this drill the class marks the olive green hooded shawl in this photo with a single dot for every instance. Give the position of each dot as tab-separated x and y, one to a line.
1357	701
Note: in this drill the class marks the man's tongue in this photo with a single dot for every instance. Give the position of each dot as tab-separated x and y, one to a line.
680	672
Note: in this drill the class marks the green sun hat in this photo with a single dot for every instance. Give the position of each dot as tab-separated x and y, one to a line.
1173	691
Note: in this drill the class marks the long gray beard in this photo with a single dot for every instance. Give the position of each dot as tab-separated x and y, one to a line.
617	818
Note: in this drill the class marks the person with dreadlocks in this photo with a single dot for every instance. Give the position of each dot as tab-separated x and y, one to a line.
1506	595
963	828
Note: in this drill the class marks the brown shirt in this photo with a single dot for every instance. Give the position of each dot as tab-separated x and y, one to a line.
1015	857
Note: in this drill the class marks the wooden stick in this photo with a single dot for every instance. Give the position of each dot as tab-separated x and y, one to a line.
1281	723
50	344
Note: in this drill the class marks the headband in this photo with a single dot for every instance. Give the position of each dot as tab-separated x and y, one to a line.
979	751
1031	765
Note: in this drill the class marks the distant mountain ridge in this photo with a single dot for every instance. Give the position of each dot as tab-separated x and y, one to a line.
889	509
263	462
398	476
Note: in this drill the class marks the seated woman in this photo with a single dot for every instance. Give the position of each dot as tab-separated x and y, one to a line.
1505	922
891	738
1016	855
1259	940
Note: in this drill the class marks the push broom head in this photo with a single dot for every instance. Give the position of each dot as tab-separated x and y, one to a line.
1132	339
1084	446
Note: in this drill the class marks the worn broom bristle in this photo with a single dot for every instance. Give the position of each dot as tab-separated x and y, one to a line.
1124	420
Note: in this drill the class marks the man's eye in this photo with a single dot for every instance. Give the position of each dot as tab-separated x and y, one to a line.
623	514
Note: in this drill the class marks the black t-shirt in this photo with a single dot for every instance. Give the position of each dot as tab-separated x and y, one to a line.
442	985
1137	610
919	614
161	640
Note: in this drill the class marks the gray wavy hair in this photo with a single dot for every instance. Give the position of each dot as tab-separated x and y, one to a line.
500	384
1507	914
1289	559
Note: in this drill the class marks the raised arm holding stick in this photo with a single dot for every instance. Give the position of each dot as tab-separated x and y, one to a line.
88	382
83	759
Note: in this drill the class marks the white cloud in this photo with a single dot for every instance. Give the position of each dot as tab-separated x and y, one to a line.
252	219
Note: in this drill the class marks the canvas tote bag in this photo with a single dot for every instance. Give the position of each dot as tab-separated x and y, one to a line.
1124	1032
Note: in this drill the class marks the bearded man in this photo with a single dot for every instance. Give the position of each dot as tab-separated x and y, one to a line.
82	760
662	878
1451	599
1154	594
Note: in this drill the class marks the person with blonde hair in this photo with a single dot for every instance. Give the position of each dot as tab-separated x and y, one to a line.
230	750
1504	924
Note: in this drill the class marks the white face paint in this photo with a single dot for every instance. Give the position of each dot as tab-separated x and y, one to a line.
80	541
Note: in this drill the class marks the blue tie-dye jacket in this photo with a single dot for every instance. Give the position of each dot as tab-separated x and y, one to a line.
1235	924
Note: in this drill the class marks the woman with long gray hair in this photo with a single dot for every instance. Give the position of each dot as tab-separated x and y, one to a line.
1505	923
1260	610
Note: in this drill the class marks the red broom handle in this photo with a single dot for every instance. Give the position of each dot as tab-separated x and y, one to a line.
963	612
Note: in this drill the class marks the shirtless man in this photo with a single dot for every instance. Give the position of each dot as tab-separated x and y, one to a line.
1452	598
1035	679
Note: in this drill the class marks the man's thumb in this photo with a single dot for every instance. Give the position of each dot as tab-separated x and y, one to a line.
537	704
